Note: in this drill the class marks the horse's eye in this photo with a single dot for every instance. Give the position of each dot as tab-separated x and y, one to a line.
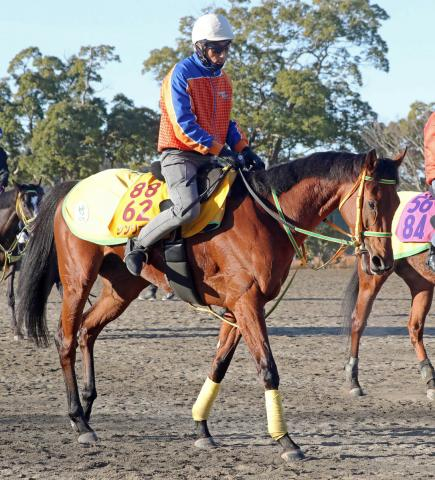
372	204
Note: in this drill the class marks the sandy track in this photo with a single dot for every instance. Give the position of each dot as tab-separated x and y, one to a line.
151	363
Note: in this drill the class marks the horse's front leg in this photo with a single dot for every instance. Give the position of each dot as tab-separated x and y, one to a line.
229	338
368	288
249	312
18	334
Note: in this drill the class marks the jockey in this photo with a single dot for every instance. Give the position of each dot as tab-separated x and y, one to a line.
429	165
195	126
4	170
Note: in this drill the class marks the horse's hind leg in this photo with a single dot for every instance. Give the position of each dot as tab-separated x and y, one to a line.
422	294
119	289
77	276
369	286
229	338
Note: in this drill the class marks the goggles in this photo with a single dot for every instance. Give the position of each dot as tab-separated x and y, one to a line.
218	47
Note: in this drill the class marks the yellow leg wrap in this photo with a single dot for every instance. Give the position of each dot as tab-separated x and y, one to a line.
275	418
201	408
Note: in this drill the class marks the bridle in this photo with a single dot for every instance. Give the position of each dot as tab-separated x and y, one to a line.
10	254
20	208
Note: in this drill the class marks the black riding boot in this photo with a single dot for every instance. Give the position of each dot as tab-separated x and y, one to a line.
431	258
135	257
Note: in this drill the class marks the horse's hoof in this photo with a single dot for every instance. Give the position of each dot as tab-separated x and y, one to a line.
431	394
356	392
293	455
205	443
74	426
18	337
88	438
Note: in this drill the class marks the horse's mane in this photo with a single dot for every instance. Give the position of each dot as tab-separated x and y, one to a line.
343	166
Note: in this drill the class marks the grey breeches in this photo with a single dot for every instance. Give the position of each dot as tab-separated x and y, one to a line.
179	169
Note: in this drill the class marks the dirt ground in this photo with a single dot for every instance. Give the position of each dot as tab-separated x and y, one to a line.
151	363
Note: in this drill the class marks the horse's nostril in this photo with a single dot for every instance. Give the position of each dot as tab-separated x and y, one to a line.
377	262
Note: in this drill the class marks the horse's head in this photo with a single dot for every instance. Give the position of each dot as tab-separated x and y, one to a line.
29	198
370	208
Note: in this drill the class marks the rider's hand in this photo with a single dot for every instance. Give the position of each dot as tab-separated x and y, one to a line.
234	159
432	189
252	160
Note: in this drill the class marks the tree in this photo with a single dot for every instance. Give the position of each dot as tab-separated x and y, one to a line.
68	142
406	132
130	134
13	132
57	128
295	67
84	69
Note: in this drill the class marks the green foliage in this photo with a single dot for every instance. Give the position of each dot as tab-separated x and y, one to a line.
67	143
131	134
295	67
56	128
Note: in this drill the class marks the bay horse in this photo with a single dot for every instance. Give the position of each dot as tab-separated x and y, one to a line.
239	268
360	294
18	208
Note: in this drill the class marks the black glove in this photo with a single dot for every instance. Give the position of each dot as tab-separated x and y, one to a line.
233	158
252	160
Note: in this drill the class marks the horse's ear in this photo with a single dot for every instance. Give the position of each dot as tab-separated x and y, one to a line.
371	161
15	185
401	155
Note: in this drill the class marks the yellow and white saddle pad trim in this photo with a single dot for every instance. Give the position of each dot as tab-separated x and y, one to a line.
111	206
405	249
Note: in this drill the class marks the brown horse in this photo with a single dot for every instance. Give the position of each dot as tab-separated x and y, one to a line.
360	295
18	207
240	268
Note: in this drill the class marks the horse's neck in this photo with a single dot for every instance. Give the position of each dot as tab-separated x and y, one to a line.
8	216
310	201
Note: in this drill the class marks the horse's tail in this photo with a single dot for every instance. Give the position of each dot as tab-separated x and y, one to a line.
39	270
349	302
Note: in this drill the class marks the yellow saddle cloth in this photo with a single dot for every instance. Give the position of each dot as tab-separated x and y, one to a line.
405	249
111	206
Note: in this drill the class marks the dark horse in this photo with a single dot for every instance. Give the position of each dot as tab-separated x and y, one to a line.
240	268
360	295
18	208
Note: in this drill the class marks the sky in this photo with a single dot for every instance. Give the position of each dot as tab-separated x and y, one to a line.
135	27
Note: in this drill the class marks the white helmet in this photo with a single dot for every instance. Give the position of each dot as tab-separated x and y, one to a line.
212	27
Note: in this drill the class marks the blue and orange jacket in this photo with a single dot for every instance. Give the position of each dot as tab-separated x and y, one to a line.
196	110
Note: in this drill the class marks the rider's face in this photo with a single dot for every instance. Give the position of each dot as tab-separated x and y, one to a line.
218	52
